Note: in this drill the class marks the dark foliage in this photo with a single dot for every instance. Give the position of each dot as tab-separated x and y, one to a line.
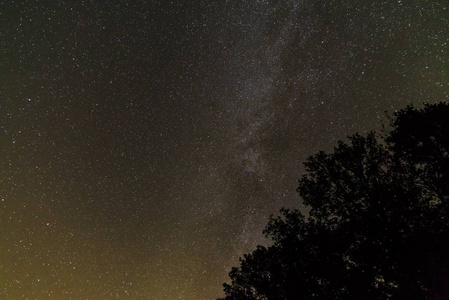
378	226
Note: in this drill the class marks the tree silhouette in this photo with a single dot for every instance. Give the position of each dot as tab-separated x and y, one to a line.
378	226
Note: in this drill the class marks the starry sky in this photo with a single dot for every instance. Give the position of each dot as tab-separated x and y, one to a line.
144	144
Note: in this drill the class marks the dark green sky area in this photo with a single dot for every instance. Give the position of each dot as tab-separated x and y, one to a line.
143	144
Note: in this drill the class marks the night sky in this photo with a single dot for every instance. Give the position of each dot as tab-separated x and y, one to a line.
144	144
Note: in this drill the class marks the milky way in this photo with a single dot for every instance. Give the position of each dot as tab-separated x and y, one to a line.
145	144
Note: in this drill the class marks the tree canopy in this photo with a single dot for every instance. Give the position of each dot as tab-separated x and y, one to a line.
378	225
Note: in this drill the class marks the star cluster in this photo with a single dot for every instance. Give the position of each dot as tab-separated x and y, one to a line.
143	144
